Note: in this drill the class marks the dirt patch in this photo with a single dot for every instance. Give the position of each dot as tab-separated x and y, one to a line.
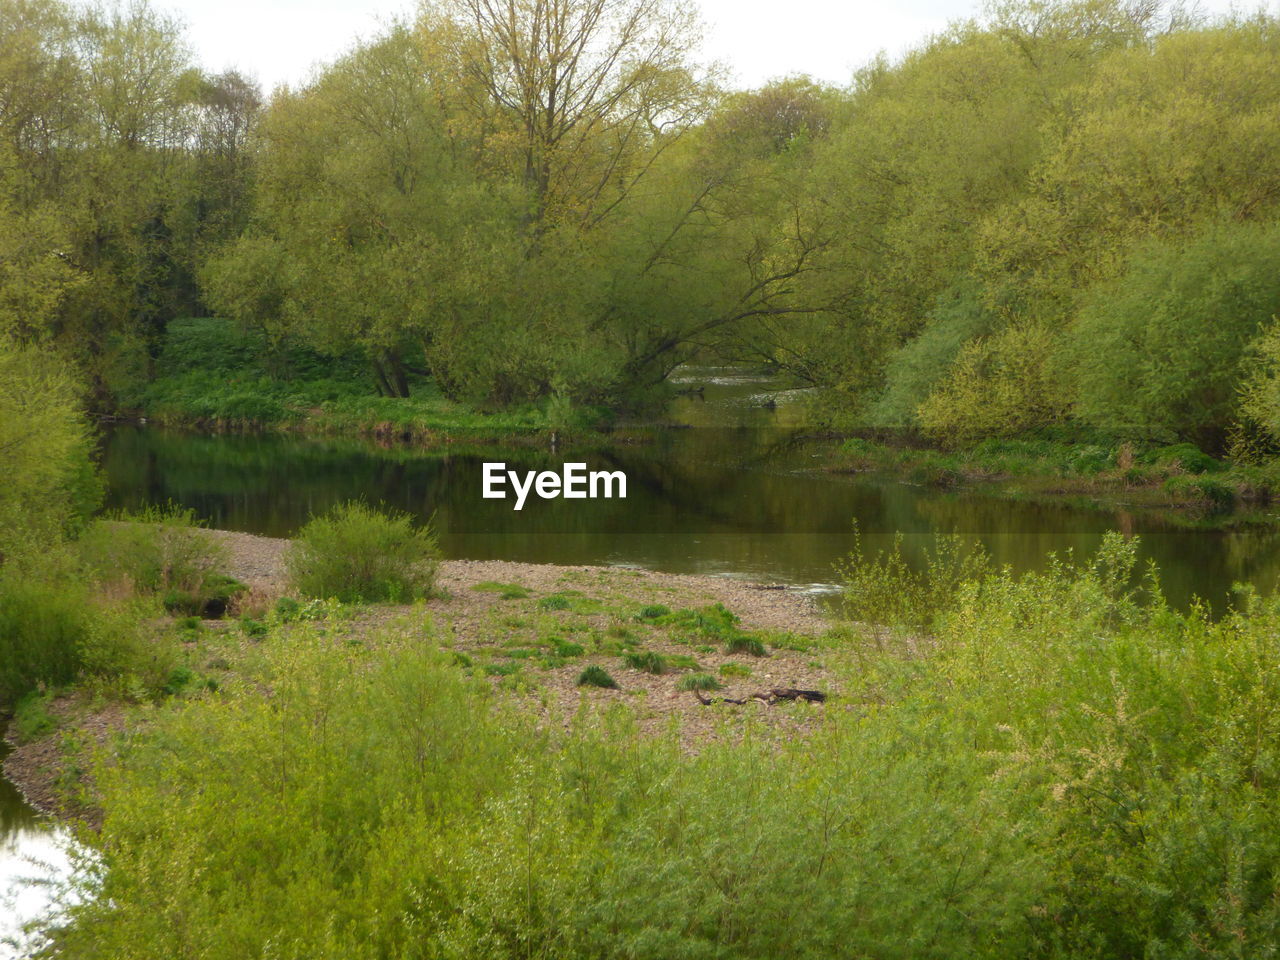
531	629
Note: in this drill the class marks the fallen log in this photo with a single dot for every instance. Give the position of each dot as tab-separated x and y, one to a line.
768	698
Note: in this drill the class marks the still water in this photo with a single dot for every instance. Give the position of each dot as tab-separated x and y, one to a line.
733	490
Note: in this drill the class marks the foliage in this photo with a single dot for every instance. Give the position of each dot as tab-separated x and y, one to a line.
357	553
596	676
998	387
697	681
1166	343
50	484
161	551
1069	769
647	660
886	588
54	630
745	643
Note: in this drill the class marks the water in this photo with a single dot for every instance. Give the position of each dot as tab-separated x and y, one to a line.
737	491
734	492
32	848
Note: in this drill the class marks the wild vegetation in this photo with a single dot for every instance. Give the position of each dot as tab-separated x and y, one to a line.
1046	240
1048	765
1053	216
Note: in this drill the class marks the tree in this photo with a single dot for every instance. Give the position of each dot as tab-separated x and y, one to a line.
586	94
1161	351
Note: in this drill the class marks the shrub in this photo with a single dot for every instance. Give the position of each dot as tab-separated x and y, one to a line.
253	628
49	485
596	676
358	554
556	601
1184	456
53	629
31	717
43	629
1163	349
1205	490
997	386
653	612
887	589
162	551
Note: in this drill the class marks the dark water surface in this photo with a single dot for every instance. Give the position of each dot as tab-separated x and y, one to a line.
735	492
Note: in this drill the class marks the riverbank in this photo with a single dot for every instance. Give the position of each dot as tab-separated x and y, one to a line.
1179	476
529	629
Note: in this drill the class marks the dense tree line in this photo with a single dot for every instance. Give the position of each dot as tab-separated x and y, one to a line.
1059	213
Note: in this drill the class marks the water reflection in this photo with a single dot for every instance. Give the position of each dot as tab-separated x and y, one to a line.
33	859
733	500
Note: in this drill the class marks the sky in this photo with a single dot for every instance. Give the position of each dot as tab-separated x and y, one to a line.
281	41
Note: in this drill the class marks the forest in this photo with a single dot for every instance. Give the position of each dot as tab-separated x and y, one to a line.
1057	216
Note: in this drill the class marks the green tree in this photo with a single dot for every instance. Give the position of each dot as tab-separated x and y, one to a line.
1161	350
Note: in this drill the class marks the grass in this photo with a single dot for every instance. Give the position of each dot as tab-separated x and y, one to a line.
647	661
596	676
745	643
697	681
508	591
1177	474
214	376
1066	768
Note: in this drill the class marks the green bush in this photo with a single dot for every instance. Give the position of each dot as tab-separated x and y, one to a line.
31	717
161	551
1183	456
887	588
568	650
49	484
1070	769
44	627
359	554
1200	489
556	601
53	630
1162	351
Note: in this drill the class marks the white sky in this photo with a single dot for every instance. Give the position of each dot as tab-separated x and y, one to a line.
280	41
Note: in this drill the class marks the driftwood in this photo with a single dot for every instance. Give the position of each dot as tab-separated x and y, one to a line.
767	698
